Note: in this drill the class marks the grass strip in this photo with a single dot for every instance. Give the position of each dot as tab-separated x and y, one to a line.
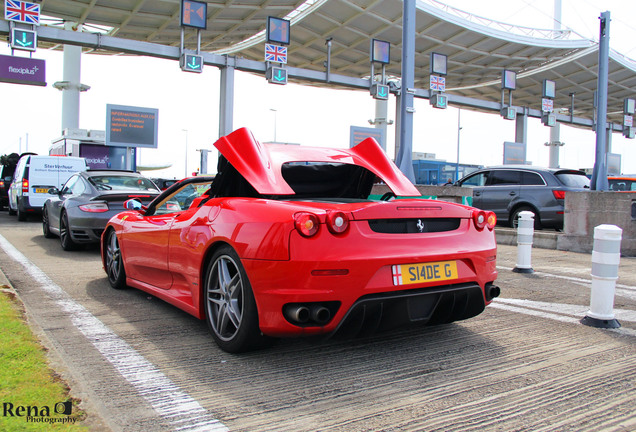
32	396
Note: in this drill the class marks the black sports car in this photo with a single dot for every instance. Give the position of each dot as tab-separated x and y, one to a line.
79	212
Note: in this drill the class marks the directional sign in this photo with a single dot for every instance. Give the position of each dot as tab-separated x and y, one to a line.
439	101
191	63
23	12
278	30
380	91
194	14
24	39
275	53
276	75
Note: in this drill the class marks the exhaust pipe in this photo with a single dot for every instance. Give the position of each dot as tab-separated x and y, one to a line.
297	313
320	315
492	291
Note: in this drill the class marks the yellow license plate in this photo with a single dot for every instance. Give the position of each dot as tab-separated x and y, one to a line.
404	274
41	190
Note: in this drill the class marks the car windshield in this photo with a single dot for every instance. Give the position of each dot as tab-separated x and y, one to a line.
122	182
622	185
574	180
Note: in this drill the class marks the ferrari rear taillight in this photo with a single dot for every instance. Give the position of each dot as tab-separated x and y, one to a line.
307	224
94	207
25	186
337	222
483	219
558	194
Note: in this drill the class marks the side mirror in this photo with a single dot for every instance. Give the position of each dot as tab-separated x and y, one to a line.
133	204
54	191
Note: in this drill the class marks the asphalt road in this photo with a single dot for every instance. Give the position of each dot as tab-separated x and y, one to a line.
525	364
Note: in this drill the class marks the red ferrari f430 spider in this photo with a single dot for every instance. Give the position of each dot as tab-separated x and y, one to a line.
286	241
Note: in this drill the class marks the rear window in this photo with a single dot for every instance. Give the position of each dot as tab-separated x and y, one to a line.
622	185
573	179
123	183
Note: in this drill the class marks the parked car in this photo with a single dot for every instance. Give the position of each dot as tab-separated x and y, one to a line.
284	241
6	175
78	213
510	189
163	183
622	183
34	176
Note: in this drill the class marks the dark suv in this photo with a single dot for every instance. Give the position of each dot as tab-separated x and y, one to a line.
510	189
6	175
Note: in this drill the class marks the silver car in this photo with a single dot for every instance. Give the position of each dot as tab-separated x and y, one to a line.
510	189
78	213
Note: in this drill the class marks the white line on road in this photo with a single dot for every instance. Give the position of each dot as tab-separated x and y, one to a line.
622	290
168	400
560	312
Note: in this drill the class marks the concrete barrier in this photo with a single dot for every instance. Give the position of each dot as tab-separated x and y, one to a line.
586	210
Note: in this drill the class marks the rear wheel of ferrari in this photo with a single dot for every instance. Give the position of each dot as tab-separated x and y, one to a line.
45	224
114	262
230	309
65	234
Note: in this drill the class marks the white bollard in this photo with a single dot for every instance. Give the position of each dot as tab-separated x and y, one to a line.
606	256
525	233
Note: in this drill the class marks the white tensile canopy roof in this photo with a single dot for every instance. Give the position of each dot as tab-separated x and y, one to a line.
478	49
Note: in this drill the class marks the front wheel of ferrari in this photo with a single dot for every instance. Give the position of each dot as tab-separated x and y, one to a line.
114	262
230	308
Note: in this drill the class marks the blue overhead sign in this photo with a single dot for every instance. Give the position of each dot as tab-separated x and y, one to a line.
278	30
194	14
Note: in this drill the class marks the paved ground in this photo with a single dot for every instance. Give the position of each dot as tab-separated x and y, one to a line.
525	364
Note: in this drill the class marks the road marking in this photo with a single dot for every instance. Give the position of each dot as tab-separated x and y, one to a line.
571	314
622	290
168	400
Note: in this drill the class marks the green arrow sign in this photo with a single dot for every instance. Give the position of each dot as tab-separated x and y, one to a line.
277	75
23	39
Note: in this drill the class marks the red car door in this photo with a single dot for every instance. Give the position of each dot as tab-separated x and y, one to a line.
145	249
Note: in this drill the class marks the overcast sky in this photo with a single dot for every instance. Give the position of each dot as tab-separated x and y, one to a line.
305	115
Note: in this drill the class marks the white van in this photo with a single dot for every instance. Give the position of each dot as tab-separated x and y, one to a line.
34	176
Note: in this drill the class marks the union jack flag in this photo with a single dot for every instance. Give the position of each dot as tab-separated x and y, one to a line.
438	83
22	12
547	105
275	53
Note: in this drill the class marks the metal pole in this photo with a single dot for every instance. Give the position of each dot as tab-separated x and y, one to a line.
405	154
599	174
275	122
226	99
557	14
186	153
554	144
71	92
459	129
328	65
